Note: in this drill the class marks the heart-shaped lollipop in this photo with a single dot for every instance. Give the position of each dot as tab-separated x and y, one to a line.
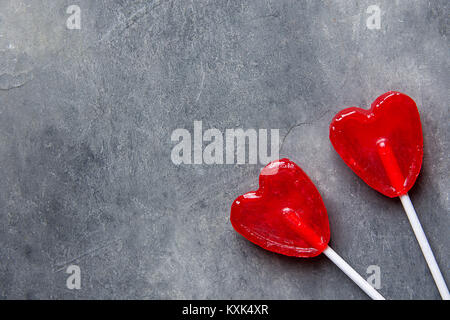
287	215
391	127
384	147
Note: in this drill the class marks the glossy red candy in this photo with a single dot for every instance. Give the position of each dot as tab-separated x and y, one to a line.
382	145
285	215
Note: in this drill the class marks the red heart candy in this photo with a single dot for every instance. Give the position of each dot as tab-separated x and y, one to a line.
285	215
382	145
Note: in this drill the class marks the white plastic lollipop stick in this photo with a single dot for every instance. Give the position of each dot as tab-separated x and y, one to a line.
426	250
352	274
395	176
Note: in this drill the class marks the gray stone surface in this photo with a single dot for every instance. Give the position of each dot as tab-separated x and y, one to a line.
85	122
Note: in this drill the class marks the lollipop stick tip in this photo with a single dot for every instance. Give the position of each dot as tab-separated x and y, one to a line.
425	246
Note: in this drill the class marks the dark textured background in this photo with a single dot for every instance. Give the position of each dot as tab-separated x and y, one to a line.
85	123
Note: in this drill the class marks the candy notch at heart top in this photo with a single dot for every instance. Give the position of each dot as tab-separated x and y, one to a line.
382	145
285	215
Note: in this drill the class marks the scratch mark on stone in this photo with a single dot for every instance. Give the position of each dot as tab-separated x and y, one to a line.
289	131
9	81
311	122
202	82
131	20
62	265
119	27
275	14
